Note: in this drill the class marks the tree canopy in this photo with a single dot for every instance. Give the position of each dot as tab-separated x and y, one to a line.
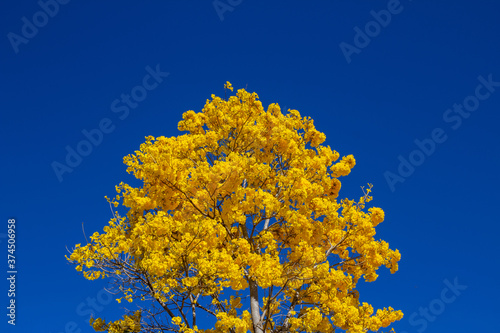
238	226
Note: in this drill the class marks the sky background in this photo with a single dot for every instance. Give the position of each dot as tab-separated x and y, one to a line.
373	93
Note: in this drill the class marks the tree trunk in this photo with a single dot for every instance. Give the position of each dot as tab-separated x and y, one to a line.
254	306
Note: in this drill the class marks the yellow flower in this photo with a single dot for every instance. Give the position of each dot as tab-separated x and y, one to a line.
377	215
228	85
176	321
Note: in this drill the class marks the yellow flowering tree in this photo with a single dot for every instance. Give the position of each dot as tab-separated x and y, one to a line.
239	220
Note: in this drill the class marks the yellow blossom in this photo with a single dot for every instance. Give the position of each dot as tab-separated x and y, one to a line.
240	218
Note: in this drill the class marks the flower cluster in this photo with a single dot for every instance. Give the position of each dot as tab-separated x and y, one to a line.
245	201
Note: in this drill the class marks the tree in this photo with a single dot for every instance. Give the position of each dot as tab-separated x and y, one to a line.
238	220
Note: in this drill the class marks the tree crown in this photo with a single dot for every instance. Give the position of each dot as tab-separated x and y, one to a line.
239	219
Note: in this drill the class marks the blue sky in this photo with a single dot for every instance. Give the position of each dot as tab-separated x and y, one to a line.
410	88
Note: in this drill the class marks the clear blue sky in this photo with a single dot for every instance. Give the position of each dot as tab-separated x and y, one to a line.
379	84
